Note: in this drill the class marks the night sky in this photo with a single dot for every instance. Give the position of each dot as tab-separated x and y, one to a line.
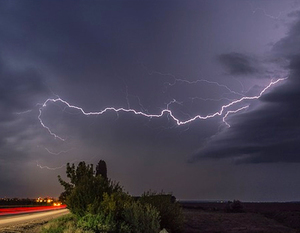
170	61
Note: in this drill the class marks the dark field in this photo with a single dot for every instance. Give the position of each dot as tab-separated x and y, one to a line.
257	217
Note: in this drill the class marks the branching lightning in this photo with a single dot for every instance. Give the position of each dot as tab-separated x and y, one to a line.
233	111
49	168
58	153
56	168
205	81
163	112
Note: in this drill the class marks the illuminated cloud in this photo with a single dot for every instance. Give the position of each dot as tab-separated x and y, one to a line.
269	133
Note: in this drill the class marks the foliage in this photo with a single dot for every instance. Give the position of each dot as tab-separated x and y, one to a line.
234	207
171	216
97	223
139	217
101	169
76	177
64	224
100	205
119	212
85	190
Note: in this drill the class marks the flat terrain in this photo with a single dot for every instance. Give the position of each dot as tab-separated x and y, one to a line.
208	218
257	217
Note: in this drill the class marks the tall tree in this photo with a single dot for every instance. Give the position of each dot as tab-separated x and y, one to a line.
84	192
101	169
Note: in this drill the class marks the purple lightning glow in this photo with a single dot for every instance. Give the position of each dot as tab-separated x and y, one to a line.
163	112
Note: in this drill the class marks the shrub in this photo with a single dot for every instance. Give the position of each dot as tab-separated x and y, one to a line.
100	205
85	191
97	223
139	218
171	217
64	224
234	207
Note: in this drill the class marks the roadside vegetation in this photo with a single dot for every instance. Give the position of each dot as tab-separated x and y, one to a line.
98	204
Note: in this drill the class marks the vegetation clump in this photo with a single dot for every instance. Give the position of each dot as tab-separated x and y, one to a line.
170	211
98	204
234	207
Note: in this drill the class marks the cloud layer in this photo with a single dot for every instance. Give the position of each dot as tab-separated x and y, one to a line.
268	133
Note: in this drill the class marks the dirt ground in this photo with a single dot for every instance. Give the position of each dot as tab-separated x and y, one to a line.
205	222
30	227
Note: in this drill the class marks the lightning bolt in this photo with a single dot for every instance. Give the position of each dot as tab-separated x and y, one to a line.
49	168
42	123
209	99
232	111
24	112
56	168
178	80
205	81
265	12
58	153
163	112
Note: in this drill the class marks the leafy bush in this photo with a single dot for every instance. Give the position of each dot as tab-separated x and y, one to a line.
84	192
64	224
171	217
139	218
234	207
97	223
100	205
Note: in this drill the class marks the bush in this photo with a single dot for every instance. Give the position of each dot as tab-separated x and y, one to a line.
234	207
139	218
100	205
65	224
171	217
97	223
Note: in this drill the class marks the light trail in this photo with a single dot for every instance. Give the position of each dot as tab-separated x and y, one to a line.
163	112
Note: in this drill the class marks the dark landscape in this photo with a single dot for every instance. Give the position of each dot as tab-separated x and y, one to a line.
211	217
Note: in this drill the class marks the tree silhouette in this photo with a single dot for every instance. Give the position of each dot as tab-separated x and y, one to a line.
101	169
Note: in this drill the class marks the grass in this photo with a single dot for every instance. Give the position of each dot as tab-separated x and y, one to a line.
64	224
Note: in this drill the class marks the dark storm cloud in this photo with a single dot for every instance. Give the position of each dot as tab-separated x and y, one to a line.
95	42
97	54
238	64
19	92
266	135
269	133
18	89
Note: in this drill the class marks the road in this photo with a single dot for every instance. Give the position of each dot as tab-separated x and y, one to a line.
12	220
